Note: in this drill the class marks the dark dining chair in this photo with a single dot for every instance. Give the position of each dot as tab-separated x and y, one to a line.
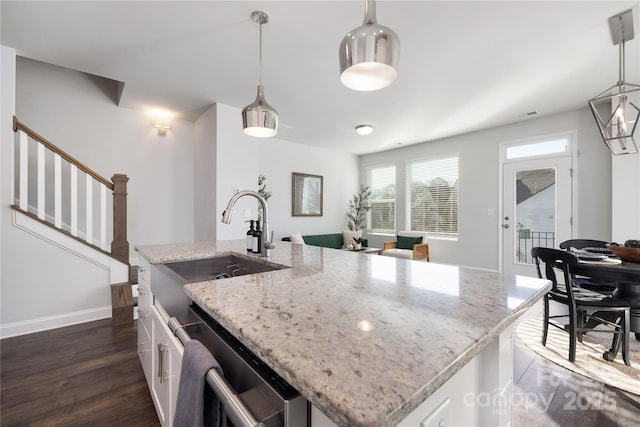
583	304
583	243
587	283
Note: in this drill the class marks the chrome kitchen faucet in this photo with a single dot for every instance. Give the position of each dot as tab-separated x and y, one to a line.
226	218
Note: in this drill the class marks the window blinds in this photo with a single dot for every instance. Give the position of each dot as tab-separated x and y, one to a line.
432	196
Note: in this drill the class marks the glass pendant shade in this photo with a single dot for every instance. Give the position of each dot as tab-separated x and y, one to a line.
369	54
259	118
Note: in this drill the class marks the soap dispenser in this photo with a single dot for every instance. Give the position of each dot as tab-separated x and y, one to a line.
257	239
250	236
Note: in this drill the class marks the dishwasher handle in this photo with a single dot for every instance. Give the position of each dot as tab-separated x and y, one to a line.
233	406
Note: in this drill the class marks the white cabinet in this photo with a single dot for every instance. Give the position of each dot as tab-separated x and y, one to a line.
145	350
159	351
167	361
478	394
145	330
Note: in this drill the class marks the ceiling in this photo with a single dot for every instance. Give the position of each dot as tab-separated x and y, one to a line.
464	65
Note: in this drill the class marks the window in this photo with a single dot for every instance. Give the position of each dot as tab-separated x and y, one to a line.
552	146
382	216
432	196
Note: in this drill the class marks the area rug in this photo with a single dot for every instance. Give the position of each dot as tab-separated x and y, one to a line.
589	361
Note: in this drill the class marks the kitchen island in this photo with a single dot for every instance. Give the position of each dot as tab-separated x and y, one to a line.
372	340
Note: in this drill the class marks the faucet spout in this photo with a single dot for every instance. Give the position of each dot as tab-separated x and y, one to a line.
226	217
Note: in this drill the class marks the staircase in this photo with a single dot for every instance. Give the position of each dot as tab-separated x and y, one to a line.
62	201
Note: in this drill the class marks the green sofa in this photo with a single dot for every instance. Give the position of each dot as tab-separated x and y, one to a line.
332	240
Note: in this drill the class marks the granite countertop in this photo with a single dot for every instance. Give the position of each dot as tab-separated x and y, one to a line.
365	338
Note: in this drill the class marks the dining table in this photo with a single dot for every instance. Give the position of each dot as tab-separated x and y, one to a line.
626	276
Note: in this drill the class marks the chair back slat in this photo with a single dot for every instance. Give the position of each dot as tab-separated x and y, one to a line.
556	259
583	243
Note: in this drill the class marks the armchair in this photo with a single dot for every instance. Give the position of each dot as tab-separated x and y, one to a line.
409	245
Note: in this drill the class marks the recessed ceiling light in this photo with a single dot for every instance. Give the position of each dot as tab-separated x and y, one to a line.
364	130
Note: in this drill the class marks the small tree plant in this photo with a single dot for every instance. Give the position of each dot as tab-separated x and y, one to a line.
262	190
359	205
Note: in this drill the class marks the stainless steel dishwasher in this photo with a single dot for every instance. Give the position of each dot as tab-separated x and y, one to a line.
251	393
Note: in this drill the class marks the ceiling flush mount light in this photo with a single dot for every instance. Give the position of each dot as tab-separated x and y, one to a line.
369	54
614	110
364	130
259	118
162	122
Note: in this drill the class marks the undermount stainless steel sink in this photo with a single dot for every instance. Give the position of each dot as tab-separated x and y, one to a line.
221	267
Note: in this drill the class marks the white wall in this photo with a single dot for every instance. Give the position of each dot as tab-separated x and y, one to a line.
7	107
37	279
75	112
241	159
479	233
625	204
204	175
179	184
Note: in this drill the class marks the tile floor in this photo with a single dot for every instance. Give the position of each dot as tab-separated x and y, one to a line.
548	395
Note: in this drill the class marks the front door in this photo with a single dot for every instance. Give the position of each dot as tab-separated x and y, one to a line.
536	210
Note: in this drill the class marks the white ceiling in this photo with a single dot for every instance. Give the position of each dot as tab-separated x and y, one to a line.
464	65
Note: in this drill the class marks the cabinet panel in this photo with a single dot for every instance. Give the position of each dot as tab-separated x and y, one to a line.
145	350
175	367
159	384
167	357
145	298
144	271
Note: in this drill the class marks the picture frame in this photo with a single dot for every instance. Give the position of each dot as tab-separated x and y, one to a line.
306	194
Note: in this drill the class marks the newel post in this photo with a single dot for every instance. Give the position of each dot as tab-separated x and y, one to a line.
120	245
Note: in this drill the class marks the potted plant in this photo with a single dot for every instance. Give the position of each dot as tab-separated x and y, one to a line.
262	190
359	205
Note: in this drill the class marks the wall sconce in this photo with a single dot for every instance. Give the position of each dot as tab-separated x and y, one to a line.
162	122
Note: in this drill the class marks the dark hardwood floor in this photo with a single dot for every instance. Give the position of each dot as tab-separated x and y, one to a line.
81	375
89	375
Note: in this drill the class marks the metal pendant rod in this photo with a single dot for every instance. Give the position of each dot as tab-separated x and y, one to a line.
621	65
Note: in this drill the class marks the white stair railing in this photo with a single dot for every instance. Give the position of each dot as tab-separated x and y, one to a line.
57	185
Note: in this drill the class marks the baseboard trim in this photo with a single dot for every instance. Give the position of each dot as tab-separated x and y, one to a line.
52	322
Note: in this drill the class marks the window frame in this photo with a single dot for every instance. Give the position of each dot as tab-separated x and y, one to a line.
383	232
456	185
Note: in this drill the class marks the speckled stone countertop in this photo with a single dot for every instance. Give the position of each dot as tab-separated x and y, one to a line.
365	338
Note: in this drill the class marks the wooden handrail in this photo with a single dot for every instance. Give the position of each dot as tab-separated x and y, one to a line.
117	185
17	125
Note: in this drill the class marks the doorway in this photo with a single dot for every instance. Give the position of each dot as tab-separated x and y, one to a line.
537	200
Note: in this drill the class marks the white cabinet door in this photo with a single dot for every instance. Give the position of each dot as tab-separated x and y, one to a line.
167	358
145	331
175	367
160	374
145	350
159	350
318	419
145	298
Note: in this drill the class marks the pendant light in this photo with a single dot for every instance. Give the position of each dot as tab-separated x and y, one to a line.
259	118
616	115
369	54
